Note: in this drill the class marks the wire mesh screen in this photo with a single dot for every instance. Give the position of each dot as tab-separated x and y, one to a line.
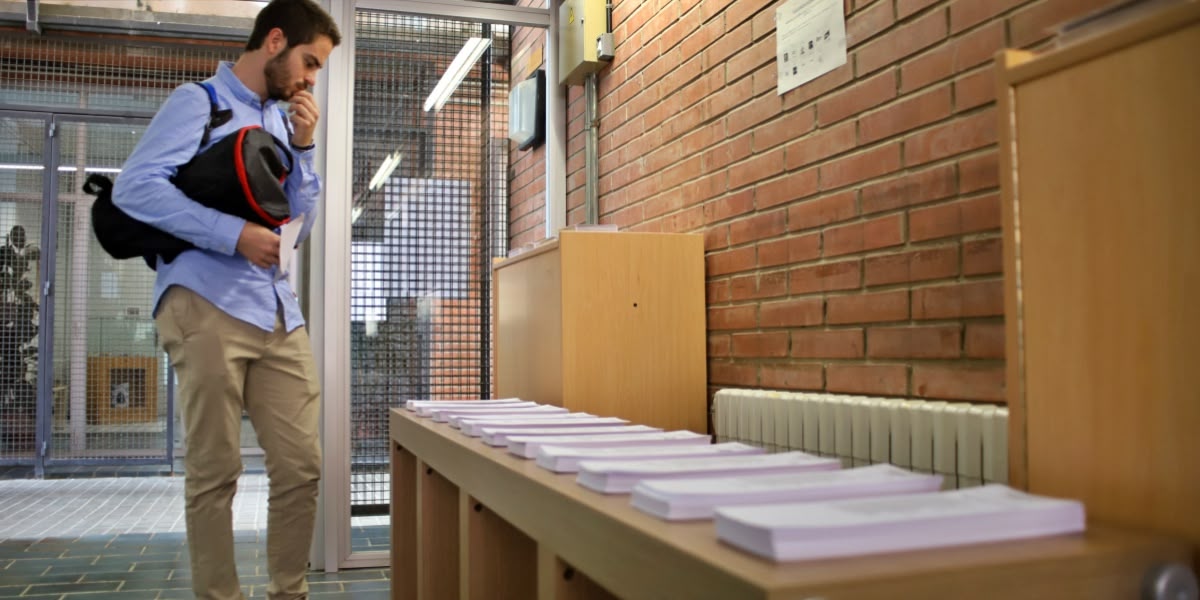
109	375
108	397
81	74
22	144
428	218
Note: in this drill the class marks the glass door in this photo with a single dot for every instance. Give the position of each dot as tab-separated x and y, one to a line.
106	381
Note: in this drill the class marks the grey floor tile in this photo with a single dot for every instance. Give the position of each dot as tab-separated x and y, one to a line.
12	591
324	586
176	595
7	580
356	575
118	595
170	584
64	588
366	586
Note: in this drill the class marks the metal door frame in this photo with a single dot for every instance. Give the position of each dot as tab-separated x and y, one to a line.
47	119
330	247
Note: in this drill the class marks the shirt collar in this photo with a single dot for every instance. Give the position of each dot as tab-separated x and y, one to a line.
237	88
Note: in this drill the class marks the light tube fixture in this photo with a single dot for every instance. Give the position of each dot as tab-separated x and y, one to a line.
456	72
385	170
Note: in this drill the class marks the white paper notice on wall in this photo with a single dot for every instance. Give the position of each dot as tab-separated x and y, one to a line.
810	40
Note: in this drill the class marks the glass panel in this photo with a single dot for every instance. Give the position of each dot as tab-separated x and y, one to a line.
22	142
110	385
424	233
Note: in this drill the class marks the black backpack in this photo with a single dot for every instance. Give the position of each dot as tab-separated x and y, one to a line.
241	175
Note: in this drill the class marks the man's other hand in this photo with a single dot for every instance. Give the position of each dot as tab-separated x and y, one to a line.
259	245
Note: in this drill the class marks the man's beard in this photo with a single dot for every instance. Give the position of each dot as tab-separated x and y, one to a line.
276	75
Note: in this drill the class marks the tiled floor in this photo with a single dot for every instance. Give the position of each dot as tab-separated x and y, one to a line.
69	508
123	538
149	566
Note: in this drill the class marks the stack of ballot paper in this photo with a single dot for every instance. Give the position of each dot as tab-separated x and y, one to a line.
527	447
682	499
499	436
619	476
457	420
838	528
565	459
443	415
471	425
413	405
428	410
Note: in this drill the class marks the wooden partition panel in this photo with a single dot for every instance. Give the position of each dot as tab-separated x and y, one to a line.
633	308
437	531
500	562
1102	194
606	323
404	524
528	322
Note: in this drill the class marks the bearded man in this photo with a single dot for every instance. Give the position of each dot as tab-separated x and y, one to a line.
227	317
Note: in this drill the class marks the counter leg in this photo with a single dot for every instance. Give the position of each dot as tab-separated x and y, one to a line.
437	535
404	524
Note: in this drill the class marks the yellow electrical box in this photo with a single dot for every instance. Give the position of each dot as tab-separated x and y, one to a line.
580	23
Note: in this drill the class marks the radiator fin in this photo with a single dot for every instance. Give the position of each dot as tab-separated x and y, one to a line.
965	443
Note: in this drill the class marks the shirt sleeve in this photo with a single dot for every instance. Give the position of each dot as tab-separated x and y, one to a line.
303	189
144	189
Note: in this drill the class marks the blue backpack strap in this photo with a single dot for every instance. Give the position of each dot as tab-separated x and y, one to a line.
216	116
287	124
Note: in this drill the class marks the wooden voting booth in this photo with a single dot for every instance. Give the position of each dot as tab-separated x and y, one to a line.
1100	140
607	323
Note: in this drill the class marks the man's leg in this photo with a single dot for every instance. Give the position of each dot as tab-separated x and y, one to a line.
283	400
210	351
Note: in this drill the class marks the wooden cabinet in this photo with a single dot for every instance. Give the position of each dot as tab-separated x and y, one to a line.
122	389
607	323
1101	179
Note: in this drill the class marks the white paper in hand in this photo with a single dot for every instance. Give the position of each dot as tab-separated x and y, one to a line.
288	234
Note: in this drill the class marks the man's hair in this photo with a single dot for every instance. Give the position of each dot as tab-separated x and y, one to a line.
301	21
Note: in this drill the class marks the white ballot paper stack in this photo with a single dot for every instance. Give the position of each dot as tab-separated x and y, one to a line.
429	409
470	425
619	476
566	459
413	405
838	528
682	499
527	447
499	436
443	415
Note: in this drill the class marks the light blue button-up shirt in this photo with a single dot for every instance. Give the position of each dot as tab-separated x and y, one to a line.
214	270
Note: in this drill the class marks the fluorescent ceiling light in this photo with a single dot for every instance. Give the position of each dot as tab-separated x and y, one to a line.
385	170
61	168
458	69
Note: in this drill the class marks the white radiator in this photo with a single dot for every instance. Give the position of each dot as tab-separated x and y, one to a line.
965	443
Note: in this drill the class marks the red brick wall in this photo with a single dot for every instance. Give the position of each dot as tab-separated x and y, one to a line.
852	225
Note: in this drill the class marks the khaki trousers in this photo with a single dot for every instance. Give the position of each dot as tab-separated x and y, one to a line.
226	365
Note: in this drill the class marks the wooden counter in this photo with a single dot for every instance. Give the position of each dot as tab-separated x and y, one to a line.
471	521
